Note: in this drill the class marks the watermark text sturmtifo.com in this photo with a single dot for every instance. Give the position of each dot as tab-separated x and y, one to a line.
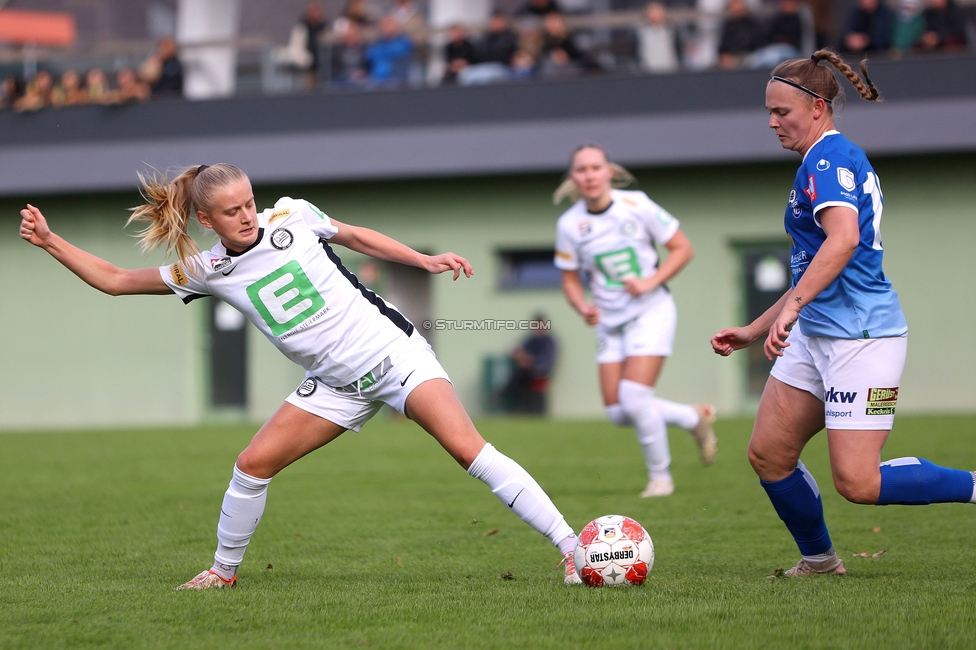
487	324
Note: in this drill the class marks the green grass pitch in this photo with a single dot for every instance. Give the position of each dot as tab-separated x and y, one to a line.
380	540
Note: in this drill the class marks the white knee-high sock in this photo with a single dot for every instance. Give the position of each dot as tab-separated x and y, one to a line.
516	489
680	415
240	514
652	431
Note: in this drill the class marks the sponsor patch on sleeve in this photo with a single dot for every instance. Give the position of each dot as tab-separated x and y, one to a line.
881	401
279	214
179	276
564	256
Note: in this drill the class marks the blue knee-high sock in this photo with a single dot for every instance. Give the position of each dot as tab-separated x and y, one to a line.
917	482
797	502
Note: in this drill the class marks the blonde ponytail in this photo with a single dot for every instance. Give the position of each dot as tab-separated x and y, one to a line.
169	205
167	208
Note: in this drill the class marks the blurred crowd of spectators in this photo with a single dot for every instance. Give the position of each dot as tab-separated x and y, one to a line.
161	75
364	48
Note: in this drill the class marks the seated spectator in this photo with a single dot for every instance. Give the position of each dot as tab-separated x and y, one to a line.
742	34
302	52
499	42
96	86
69	92
389	56
784	38
411	21
560	55
524	65
908	25
459	53
11	91
532	364
38	93
539	8
349	66
163	70
786	26
658	41
869	29
355	11
129	88
944	26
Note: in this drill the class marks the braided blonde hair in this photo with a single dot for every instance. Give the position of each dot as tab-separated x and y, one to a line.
820	80
169	205
568	188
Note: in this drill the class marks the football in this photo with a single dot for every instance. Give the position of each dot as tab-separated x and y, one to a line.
613	550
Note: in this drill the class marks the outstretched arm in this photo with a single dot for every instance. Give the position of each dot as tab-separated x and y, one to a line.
98	273
369	242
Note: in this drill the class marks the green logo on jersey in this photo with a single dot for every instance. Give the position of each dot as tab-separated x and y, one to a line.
317	211
618	266
285	298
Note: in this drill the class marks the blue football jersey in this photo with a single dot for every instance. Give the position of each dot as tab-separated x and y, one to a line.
860	302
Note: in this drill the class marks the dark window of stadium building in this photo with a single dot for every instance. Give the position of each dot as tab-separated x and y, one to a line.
528	269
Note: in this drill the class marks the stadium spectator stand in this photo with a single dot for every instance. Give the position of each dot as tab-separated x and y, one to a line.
391	42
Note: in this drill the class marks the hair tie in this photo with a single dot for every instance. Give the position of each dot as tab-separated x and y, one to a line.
815	58
201	168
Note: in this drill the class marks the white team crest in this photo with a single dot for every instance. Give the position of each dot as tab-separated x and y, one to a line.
846	179
793	196
585	228
823	165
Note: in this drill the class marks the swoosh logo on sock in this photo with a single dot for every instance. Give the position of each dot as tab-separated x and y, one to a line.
516	497
403	383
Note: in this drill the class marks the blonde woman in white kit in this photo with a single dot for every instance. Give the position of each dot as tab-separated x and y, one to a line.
611	235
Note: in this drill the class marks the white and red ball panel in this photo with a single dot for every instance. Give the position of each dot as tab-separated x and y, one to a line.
613	550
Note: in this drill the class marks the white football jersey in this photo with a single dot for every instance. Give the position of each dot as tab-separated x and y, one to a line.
613	246
292	286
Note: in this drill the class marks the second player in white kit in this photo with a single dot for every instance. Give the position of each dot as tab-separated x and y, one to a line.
610	236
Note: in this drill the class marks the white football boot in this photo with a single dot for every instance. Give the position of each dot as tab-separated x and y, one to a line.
704	434
208	580
657	487
572	578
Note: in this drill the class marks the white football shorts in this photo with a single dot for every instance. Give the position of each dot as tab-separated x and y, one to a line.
390	382
857	379
649	335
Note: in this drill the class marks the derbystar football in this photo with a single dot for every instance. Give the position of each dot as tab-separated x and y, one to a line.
613	550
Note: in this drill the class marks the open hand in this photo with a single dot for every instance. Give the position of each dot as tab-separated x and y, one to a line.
449	262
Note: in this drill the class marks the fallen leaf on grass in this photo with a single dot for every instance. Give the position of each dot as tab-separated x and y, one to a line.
270	567
508	575
873	556
399	562
778	573
876	529
475	522
489	533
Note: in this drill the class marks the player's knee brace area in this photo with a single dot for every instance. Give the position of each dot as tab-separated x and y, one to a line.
617	415
635	398
248	486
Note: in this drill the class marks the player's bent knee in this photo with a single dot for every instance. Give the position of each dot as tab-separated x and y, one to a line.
768	465
863	492
252	464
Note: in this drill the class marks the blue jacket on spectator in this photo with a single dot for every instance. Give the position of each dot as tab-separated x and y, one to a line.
389	59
